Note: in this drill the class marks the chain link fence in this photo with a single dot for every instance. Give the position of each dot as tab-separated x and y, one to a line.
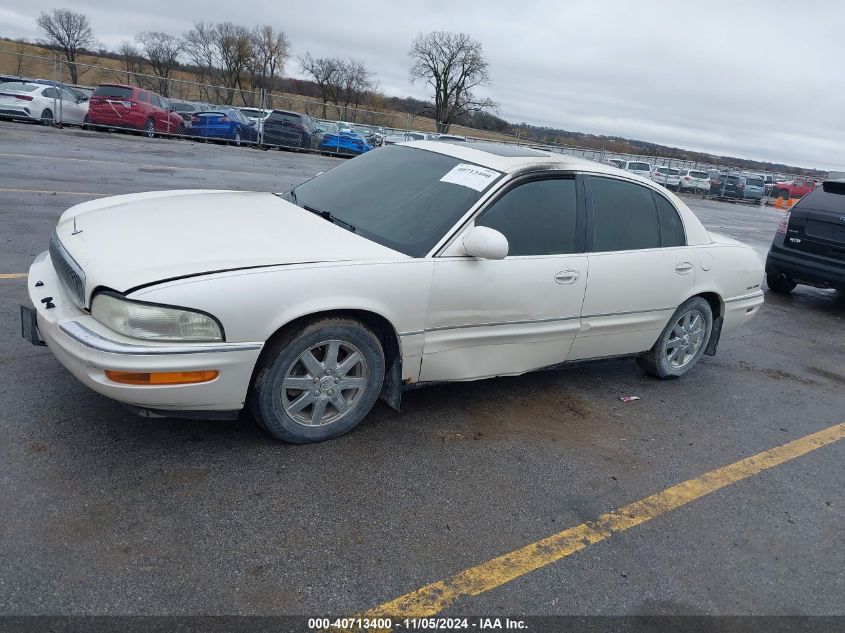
121	98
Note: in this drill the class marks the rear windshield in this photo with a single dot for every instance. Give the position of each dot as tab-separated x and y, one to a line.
113	91
754	182
733	179
829	197
181	106
17	85
420	195
673	172
639	166
286	116
699	174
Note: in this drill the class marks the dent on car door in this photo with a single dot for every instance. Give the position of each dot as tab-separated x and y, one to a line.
640	267
509	316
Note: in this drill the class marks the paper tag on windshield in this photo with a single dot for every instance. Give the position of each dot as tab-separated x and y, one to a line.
471	176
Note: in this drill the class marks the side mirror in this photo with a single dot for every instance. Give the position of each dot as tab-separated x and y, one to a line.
486	243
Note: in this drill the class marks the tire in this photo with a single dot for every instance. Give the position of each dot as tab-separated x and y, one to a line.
47	118
149	128
781	284
782	193
320	411
688	332
86	123
237	140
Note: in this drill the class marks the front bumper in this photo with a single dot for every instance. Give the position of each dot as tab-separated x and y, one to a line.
87	349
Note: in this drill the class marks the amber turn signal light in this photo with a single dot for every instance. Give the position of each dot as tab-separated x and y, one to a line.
162	377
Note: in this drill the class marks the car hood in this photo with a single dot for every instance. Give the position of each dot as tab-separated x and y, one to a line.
134	240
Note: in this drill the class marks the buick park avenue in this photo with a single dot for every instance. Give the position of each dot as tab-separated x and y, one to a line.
414	263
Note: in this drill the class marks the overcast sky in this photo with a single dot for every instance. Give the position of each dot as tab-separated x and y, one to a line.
755	79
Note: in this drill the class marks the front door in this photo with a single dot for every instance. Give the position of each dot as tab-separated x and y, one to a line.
496	317
641	269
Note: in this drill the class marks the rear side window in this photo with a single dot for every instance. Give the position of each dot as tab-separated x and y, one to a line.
51	93
143	96
671	226
537	217
116	92
829	197
624	216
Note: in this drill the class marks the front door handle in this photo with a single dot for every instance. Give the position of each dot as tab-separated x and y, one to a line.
684	268
568	276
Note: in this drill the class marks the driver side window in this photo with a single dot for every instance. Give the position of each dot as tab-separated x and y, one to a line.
537	217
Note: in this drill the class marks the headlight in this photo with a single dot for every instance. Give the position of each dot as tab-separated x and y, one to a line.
154	322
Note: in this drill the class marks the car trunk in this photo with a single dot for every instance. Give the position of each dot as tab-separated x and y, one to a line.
817	222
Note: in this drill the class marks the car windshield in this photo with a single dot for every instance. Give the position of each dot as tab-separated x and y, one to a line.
401	197
113	91
17	85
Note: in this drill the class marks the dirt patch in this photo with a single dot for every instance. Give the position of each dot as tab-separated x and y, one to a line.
775	374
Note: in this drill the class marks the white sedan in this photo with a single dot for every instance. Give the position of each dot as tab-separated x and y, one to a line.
41	102
472	261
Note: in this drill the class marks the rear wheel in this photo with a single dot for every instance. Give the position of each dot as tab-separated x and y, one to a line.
780	283
682	342
47	118
237	137
149	129
319	381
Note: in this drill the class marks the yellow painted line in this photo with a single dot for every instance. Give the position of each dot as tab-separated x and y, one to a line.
52	191
13	275
145	165
433	598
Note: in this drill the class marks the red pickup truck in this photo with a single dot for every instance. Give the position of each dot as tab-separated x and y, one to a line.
797	188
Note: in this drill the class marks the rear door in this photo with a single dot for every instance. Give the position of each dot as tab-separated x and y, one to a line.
817	222
640	268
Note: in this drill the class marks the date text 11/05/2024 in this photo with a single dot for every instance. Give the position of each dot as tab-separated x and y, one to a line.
429	624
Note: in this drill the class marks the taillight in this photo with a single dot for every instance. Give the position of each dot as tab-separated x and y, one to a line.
741	187
784	222
21	97
194	118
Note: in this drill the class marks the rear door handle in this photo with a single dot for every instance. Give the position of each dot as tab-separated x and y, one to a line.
684	268
568	276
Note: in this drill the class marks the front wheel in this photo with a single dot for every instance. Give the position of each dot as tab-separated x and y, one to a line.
318	382
682	342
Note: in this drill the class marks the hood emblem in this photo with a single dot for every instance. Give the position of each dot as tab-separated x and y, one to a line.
75	230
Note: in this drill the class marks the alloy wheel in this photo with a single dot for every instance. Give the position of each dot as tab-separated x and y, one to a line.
686	339
324	383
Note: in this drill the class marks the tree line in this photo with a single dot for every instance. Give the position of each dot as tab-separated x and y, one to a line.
233	63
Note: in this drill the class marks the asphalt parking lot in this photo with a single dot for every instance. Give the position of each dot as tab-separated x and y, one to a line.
107	513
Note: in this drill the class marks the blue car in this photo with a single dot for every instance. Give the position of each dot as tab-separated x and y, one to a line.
334	140
227	124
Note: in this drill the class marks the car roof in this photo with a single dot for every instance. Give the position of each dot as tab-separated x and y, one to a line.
511	158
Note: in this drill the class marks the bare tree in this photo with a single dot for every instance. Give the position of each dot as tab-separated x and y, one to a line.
326	73
269	56
220	54
70	32
20	58
162	52
133	63
355	80
453	65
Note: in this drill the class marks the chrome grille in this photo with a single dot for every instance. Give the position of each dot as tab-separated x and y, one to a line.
69	272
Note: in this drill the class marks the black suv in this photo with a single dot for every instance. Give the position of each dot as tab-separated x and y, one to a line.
809	246
288	129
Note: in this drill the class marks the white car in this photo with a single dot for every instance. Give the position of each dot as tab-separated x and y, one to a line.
42	102
666	176
402	137
421	262
254	115
638	167
615	162
693	180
